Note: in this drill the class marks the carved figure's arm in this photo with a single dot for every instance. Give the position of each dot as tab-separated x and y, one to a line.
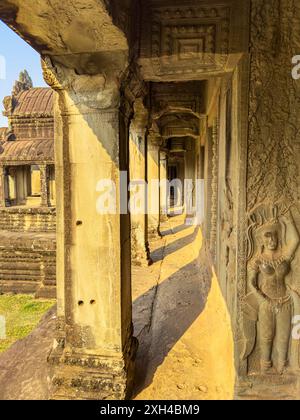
292	237
252	282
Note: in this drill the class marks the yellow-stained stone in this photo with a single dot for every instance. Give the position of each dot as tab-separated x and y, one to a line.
190	344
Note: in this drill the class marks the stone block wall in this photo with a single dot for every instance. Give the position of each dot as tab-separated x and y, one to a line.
28	251
27	265
21	219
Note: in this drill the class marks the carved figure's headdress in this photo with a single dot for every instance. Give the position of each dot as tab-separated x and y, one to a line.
262	221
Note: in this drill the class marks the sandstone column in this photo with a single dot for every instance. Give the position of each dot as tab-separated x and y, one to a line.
154	143
45	192
93	354
2	186
163	186
190	170
208	183
139	233
214	187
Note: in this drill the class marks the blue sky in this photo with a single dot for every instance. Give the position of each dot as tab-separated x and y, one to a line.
18	56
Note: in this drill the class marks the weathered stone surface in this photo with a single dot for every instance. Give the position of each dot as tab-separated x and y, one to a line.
175	360
27	263
270	353
180	79
27	212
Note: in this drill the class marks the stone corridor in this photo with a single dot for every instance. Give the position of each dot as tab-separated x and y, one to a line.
197	101
179	319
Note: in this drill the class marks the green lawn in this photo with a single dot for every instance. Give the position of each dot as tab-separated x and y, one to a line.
22	314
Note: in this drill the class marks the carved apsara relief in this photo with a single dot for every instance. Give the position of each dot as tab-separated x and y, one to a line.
273	298
272	293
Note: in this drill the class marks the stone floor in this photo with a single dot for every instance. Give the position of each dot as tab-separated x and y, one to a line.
180	319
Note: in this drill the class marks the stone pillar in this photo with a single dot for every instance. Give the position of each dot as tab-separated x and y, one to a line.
163	186
2	186
94	350
214	188
153	146
208	183
45	191
137	151
189	174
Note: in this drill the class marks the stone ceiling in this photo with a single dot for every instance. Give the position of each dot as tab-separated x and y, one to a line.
191	40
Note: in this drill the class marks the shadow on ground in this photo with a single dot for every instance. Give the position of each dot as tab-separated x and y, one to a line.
169	310
178	302
175	246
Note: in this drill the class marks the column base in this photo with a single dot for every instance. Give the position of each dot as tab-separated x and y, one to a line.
164	218
141	257
154	234
76	376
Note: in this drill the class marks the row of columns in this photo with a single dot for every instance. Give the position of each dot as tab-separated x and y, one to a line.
44	185
99	134
149	163
94	351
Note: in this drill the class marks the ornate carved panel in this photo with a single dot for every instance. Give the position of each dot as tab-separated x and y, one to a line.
269	297
193	38
273	168
180	95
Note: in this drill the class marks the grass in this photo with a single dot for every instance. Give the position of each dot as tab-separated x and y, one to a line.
22	314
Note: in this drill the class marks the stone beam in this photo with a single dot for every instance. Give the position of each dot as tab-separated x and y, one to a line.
79	34
192	40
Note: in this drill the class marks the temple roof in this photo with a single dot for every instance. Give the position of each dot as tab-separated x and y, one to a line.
27	151
34	102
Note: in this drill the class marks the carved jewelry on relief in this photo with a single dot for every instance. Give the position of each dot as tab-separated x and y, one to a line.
271	301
